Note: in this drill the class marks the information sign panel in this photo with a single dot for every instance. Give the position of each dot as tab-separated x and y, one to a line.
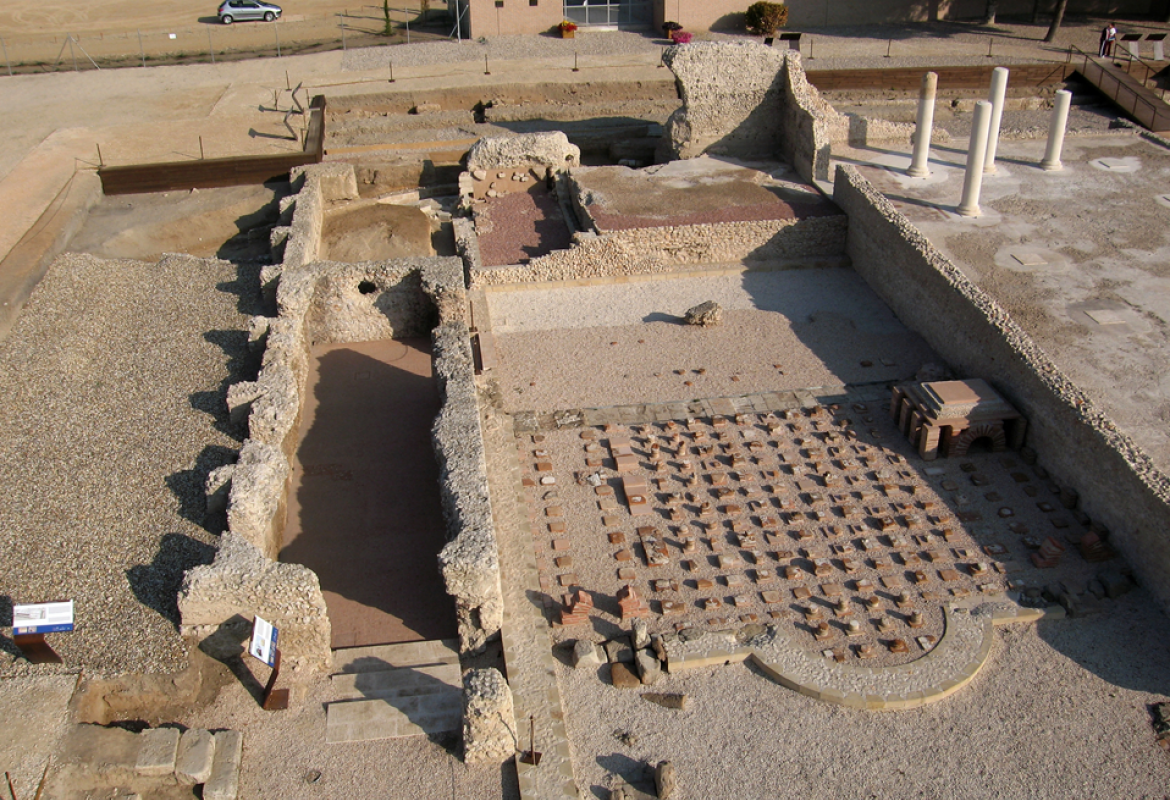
41	618
263	645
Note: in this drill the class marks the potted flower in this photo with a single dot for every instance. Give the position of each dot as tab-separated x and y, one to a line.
669	28
568	29
682	37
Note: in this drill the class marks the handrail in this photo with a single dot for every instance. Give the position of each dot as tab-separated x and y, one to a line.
1086	59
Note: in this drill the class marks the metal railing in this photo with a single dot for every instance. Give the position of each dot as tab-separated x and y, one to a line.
1121	93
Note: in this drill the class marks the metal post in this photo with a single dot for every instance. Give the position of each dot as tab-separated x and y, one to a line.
276	27
990	44
392	72
976	150
919	164
889	45
999	79
7	63
72	54
810	49
575	68
201	148
1056	128
341	23
486	71
101	161
408	28
141	51
210	46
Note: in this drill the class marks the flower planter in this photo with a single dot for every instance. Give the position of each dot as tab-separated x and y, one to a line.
568	34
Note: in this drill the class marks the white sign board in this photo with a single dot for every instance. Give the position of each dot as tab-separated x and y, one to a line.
263	644
42	618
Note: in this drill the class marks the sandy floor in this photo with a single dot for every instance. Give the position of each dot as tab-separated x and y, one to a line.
1059	711
363	503
613	344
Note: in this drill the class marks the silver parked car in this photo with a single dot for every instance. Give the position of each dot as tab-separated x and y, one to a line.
232	10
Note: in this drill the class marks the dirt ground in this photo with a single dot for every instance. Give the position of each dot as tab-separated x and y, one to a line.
110	31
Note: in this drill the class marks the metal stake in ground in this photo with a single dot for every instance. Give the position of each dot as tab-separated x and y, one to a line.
486	71
141	52
919	164
999	79
72	54
575	69
276	28
976	151
392	72
530	756
1056	128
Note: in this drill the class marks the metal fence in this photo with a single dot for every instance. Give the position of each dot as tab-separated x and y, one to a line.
207	40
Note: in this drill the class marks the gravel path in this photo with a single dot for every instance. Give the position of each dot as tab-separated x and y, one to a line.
1059	711
501	48
111	414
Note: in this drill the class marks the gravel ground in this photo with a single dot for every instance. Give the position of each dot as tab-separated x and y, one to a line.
1059	711
281	749
501	48
111	415
621	343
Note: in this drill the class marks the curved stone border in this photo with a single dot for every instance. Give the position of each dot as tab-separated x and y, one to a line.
949	666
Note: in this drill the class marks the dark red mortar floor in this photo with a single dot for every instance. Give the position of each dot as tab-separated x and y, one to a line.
364	510
521	226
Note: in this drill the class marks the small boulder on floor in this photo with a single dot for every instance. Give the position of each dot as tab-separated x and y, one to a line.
705	315
585	654
623	676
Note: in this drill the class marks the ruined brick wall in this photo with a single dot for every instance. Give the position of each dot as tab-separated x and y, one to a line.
1117	483
643	251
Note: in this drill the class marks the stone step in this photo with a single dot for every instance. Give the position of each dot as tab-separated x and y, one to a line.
390	718
380	657
401	682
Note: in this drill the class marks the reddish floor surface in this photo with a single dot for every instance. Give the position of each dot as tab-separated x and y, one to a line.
521	226
364	510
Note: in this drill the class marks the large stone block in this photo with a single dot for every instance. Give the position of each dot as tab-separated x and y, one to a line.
156	757
489	725
196	756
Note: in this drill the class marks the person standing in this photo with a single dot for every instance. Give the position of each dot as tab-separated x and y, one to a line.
1108	37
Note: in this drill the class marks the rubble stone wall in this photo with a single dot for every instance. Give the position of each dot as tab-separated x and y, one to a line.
643	251
1117	483
329	303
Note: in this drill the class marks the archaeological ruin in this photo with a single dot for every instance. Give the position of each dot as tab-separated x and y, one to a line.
558	424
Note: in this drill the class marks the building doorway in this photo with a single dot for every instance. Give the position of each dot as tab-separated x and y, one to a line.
619	14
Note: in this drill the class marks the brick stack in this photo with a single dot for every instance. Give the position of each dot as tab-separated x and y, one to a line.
577	608
1094	548
632	605
1049	554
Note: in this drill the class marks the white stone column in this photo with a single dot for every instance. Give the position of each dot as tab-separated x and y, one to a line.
976	151
1056	128
919	164
999	78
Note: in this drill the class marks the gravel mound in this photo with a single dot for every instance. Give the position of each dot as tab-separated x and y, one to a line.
111	415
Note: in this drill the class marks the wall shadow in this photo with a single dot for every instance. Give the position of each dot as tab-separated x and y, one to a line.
156	585
367	516
188	486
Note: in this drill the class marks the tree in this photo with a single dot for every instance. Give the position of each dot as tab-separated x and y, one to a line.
1057	18
992	8
388	29
763	18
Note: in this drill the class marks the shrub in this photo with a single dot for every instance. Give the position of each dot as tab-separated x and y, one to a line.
682	37
763	18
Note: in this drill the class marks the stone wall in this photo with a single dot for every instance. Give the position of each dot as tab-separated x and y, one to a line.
327	303
643	251
1117	483
470	560
748	101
